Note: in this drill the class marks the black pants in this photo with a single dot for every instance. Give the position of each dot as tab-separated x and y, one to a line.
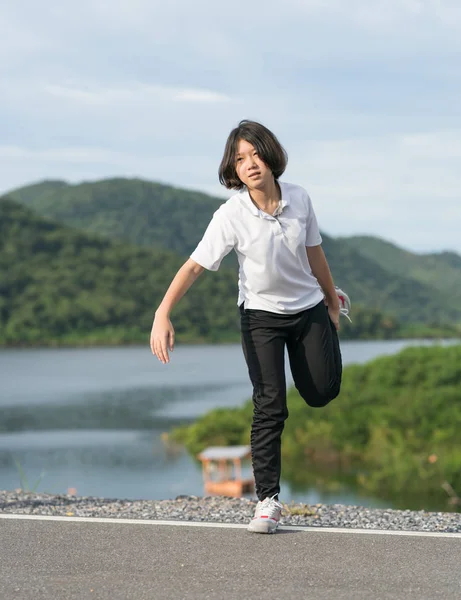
315	361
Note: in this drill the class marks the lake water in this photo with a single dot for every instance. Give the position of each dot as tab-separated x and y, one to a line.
92	419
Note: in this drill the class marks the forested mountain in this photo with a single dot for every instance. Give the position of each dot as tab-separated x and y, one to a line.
64	286
151	214
442	270
31	194
60	284
134	210
373	286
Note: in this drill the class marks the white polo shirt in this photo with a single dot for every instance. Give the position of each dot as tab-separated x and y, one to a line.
274	272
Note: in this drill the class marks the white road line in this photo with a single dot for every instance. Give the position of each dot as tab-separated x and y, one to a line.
226	525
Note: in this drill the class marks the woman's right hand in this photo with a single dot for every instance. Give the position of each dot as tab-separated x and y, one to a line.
162	338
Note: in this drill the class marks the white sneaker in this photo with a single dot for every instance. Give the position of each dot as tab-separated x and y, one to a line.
267	516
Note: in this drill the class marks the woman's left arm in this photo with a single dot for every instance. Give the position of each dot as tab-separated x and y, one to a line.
322	273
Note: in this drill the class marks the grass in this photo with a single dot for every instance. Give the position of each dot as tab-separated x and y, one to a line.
23	479
301	510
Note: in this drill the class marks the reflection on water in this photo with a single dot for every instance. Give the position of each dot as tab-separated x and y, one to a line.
112	409
93	419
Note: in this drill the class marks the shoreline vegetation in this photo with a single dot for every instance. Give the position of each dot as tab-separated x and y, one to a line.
118	338
392	433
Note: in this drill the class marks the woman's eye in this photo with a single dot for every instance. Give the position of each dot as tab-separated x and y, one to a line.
239	159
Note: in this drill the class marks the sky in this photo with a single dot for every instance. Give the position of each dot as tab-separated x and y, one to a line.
365	96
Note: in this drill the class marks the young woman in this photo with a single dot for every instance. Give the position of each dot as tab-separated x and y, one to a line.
286	297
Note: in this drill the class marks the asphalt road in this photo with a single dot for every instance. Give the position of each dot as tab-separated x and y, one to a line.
70	559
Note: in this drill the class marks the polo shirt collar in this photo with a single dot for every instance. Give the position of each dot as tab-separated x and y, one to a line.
248	202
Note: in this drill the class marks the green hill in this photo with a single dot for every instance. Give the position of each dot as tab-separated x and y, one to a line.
32	194
373	286
441	270
134	210
151	214
64	286
61	285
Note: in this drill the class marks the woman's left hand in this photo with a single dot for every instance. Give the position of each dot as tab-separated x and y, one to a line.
334	316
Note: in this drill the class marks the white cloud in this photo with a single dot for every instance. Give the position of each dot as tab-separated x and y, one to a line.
25	164
90	97
364	94
99	96
439	146
199	96
382	15
58	155
406	188
17	39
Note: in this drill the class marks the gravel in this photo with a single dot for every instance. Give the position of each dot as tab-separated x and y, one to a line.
219	509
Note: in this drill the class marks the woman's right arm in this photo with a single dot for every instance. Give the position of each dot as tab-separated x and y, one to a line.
162	334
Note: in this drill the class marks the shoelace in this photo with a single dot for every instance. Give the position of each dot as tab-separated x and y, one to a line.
345	312
270	505
343	299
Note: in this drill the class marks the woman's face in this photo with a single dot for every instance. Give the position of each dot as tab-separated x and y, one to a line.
251	169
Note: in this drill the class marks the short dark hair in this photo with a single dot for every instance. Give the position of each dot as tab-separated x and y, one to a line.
265	143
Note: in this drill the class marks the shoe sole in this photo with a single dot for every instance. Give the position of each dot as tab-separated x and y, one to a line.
262	527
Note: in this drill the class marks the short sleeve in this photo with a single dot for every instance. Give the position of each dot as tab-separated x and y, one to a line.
313	237
217	241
